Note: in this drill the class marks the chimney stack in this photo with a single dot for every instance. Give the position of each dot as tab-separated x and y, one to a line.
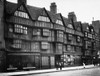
53	8
22	1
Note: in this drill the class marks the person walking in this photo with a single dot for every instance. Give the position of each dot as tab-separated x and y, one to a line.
60	65
57	65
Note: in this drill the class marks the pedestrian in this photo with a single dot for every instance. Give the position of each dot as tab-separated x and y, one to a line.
84	65
57	65
60	65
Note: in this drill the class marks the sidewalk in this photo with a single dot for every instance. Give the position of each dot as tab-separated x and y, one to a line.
45	71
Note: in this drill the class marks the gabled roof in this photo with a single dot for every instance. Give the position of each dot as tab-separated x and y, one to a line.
84	26
10	7
78	26
65	21
34	12
52	16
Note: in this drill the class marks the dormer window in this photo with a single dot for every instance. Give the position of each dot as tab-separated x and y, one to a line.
43	18
59	22
70	26
21	14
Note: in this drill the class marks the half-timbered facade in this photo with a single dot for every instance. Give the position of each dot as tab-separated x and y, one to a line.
37	38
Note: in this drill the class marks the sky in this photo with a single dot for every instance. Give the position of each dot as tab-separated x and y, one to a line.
85	10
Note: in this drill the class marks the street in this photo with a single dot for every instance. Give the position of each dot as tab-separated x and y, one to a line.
82	72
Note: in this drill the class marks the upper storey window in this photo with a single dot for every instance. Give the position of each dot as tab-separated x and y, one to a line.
20	29
59	22
70	26
43	18
21	14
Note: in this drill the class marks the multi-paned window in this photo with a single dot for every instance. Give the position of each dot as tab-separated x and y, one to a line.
17	44
60	36
36	31
78	39
68	47
35	46
10	28
20	29
43	18
70	26
69	37
44	45
46	32
59	22
21	14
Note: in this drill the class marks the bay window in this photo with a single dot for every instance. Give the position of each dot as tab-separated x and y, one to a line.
44	45
20	29
45	32
36	32
69	37
17	44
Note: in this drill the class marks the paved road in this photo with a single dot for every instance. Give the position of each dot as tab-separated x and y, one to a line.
82	72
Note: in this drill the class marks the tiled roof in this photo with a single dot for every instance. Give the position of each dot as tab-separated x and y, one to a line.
34	11
52	16
10	7
77	26
65	21
84	26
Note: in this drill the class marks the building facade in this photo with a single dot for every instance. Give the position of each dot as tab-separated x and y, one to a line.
33	37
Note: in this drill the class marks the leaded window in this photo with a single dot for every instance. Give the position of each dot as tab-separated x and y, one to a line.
59	22
20	29
44	45
43	18
17	43
21	14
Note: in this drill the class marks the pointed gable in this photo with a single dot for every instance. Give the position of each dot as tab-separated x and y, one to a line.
85	26
34	12
22	11
59	19
78	26
9	8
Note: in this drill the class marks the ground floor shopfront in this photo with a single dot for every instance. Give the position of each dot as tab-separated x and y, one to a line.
72	59
20	61
30	61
